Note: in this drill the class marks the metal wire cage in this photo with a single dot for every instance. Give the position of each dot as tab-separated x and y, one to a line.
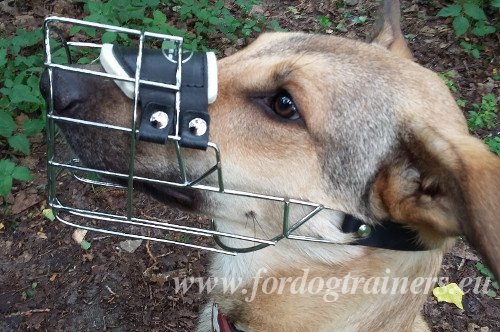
128	223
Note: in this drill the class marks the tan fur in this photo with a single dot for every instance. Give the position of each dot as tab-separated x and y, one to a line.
380	137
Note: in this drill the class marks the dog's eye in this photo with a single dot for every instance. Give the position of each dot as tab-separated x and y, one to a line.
284	106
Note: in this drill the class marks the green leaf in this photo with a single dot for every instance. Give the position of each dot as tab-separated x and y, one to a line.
482	30
475	53
33	126
85	245
20	142
22	173
493	144
474	11
484	270
108	37
23	93
49	214
6	167
3	57
495	3
491	293
460	25
451	10
7	124
5	185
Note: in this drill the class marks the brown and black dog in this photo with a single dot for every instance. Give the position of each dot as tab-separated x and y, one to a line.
359	127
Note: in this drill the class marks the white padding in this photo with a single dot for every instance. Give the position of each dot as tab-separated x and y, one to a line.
212	77
111	66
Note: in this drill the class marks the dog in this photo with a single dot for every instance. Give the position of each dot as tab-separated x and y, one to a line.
356	126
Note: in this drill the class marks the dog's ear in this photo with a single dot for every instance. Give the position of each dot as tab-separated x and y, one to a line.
387	30
444	187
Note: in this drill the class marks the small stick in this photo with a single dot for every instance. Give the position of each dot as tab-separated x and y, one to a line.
27	313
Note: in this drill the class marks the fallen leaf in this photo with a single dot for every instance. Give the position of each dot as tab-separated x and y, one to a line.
130	246
49	214
79	235
24	200
1	226
450	293
85	245
88	257
53	277
42	235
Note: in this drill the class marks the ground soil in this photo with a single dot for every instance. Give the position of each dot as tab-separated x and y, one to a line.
108	288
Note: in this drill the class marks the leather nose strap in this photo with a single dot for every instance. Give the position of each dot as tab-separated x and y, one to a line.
159	66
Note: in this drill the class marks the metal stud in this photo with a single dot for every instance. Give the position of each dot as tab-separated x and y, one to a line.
364	230
198	127
159	120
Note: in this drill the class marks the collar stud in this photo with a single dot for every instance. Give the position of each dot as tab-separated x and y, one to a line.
364	230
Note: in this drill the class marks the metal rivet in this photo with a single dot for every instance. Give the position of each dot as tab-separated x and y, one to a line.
364	230
198	127
159	120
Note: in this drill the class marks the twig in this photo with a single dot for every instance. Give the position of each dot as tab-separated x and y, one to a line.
27	313
109	290
101	238
148	250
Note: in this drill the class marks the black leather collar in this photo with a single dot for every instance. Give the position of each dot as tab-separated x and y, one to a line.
388	235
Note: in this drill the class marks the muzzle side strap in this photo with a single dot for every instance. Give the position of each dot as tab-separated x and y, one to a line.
158	105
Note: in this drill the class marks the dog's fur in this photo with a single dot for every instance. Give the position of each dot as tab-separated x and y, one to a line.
379	137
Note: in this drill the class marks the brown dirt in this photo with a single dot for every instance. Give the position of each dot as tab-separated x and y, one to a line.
107	288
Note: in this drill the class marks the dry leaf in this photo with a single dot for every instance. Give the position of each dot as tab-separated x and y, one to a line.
79	235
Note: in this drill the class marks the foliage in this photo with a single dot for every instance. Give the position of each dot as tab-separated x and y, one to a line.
31	291
484	115
206	17
348	19
495	286
8	172
493	142
481	116
19	94
324	21
470	16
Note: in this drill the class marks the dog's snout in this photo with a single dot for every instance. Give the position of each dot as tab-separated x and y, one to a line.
69	88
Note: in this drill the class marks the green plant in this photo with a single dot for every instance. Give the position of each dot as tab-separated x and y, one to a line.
493	143
447	78
495	286
9	172
31	292
324	21
483	116
472	49
203	18
22	108
470	16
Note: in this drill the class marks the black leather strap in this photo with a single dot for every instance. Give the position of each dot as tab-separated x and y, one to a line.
161	67
387	235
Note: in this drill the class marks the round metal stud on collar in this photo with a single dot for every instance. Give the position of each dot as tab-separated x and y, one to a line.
159	120
198	127
364	230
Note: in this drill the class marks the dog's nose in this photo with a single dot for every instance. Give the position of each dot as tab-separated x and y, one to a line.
69	88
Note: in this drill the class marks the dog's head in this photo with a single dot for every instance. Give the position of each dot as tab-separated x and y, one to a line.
355	126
